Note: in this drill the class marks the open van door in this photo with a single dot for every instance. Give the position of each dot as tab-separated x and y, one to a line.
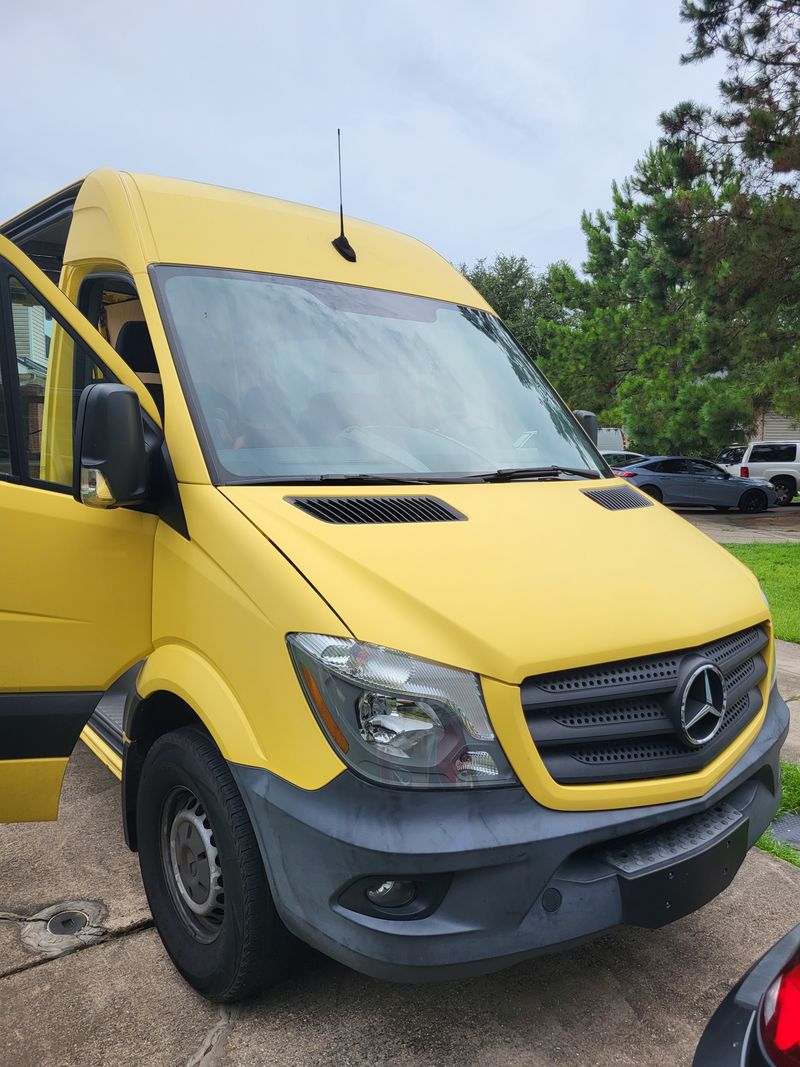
75	584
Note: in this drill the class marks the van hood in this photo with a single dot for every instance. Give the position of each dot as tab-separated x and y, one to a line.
539	577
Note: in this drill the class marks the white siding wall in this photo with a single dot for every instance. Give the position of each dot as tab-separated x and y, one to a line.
29	333
778	428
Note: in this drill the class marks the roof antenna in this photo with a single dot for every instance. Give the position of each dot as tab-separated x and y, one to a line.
340	243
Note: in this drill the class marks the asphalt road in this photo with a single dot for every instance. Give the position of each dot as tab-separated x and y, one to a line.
634	997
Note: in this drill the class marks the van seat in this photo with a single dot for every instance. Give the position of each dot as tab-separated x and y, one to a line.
136	348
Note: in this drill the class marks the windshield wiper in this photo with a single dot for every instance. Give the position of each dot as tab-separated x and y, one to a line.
370	479
395	479
335	479
511	474
507	474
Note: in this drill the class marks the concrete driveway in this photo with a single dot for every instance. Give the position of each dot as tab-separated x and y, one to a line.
769	527
635	997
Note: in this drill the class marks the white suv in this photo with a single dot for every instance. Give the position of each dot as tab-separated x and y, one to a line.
777	461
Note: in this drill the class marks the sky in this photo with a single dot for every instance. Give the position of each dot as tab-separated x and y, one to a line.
478	127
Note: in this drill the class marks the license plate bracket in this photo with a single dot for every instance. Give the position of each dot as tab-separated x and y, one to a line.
656	897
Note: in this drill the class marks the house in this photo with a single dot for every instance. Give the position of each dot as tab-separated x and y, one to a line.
772	427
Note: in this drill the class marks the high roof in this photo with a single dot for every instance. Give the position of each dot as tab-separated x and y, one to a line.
138	219
41	230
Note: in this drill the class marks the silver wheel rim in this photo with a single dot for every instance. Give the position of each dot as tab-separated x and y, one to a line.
190	860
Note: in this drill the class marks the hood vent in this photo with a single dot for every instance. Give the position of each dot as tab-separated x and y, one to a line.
620	498
372	510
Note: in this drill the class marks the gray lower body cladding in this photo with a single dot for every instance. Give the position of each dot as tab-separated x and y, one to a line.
502	877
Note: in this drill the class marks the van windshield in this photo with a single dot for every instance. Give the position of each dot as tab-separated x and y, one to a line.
295	379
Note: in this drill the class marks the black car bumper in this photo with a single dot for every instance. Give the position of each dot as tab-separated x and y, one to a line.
731	1038
499	877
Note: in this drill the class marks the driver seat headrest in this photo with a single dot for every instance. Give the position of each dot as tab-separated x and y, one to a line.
136	348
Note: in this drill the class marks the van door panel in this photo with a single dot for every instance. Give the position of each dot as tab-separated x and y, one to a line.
42	725
76	592
30	789
75	609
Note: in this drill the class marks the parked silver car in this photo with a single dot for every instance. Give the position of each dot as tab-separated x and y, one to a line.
622	459
684	481
777	461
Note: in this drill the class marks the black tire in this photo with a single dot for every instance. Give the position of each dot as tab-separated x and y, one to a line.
720	507
188	805
786	488
653	491
753	501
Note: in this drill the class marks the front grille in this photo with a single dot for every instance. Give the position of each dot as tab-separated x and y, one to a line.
617	721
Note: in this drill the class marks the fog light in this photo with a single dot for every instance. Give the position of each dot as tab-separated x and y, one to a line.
391	894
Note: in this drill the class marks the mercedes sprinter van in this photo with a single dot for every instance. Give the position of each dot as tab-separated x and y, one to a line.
301	543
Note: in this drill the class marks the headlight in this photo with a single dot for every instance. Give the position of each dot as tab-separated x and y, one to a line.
397	719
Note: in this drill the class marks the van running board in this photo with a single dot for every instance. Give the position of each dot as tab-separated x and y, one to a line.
106	727
106	720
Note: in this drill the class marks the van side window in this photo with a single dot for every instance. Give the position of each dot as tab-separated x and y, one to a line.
53	368
5	440
112	305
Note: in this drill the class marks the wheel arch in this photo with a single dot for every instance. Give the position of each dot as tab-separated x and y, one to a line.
646	485
753	492
789	477
178	687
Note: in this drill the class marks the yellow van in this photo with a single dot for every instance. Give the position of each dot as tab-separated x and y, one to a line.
308	552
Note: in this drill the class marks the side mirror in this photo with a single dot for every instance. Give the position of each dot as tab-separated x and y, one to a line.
110	460
588	420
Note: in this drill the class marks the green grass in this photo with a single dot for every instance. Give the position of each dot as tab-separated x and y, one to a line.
790	801
777	567
767	843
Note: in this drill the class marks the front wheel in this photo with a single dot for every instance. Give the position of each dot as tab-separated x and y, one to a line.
203	873
753	501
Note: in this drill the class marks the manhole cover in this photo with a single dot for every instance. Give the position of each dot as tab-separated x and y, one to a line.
66	923
786	829
63	927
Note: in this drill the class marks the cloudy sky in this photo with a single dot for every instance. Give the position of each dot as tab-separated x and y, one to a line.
479	127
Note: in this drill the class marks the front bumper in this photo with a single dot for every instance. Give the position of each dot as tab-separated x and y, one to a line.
518	879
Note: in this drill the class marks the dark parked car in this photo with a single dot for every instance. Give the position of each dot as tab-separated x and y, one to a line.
758	1023
688	482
